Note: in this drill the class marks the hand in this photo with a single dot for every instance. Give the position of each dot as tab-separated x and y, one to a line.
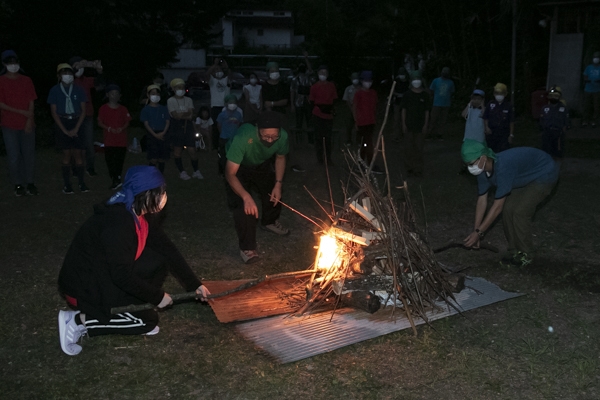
72	133
29	126
203	292
250	206
160	136
276	193
488	131
510	139
26	113
472	240
166	301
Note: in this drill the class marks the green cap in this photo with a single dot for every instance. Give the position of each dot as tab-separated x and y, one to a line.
472	149
230	98
416	75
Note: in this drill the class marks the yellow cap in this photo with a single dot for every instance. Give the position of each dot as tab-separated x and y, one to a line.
176	82
500	87
63	66
151	87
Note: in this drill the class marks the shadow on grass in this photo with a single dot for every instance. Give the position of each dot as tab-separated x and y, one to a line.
581	276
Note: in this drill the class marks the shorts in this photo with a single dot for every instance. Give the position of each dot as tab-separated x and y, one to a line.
65	142
182	133
157	149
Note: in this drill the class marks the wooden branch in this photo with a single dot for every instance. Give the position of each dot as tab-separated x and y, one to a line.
453	243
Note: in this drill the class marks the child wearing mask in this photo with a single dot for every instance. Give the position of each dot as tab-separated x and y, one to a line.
553	123
348	97
402	86
219	84
228	121
156	120
67	106
114	119
181	131
473	114
322	95
204	125
365	114
499	119
253	96
416	105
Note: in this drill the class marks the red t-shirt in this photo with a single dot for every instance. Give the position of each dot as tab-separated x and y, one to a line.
114	118
16	93
322	93
87	83
365	106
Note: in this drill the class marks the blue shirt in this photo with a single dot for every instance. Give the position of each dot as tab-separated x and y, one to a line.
230	121
156	117
516	168
499	116
57	97
443	89
474	128
592	72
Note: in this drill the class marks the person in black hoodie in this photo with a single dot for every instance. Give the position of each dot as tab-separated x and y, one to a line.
121	256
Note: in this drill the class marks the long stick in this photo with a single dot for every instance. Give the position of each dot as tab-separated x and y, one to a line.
328	180
387	111
193	295
319	204
299	213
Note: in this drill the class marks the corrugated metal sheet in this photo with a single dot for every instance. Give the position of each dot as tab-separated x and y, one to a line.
268	298
290	339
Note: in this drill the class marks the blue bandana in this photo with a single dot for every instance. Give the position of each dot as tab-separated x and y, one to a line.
138	179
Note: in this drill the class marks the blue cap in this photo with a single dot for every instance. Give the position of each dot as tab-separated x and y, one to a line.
366	75
6	54
479	92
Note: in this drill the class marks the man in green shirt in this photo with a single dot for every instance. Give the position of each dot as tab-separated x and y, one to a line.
250	164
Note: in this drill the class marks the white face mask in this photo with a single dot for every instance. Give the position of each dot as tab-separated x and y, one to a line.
474	169
367	85
79	72
67	79
232	107
253	81
416	83
13	68
499	98
219	75
596	60
322	78
355	81
274	75
180	92
155	98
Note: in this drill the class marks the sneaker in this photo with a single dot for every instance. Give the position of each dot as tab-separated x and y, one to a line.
152	332
68	190
184	175
69	332
276	227
32	190
522	259
297	168
116	184
83	188
197	175
91	172
19	190
249	256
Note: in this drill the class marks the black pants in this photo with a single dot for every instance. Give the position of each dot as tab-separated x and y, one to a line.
323	130
214	113
303	113
365	134
150	267
115	157
262	179
222	155
553	142
498	141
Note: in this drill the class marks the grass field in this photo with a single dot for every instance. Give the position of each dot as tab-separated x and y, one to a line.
503	351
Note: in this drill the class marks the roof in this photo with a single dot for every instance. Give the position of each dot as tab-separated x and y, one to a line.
569	2
263	21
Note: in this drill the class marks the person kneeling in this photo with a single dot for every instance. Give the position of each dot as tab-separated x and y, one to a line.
121	256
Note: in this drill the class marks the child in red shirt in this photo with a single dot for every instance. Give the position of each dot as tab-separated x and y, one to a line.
322	95
114	119
365	113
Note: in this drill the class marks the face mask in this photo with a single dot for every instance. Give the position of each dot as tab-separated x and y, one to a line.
155	98
475	170
219	75
253	81
267	144
274	75
67	79
416	83
79	72
499	98
231	107
355	81
322	78
367	85
180	92
402	77
13	68
553	101
596	60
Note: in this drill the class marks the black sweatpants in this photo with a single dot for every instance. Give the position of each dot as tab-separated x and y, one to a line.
115	157
323	130
262	179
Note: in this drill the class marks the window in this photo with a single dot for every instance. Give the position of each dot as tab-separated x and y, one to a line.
260	32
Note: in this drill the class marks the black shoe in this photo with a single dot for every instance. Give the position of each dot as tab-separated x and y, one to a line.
68	190
19	190
297	168
32	190
83	188
116	184
91	172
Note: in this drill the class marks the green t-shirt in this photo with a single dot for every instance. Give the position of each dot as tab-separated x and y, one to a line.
247	149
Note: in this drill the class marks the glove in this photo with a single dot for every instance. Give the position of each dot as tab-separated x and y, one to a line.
166	301
202	292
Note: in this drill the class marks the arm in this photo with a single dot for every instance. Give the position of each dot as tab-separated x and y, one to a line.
231	170
279	172
30	123
307	61
426	124
56	119
511	135
488	131
483	223
465	112
25	113
80	120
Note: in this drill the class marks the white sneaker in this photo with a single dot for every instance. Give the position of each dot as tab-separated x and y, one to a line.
70	332
197	174
152	332
184	175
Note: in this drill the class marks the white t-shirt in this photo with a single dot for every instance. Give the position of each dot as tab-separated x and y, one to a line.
218	91
180	105
204	123
349	94
254	92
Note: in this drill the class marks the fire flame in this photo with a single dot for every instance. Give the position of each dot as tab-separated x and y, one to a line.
328	255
